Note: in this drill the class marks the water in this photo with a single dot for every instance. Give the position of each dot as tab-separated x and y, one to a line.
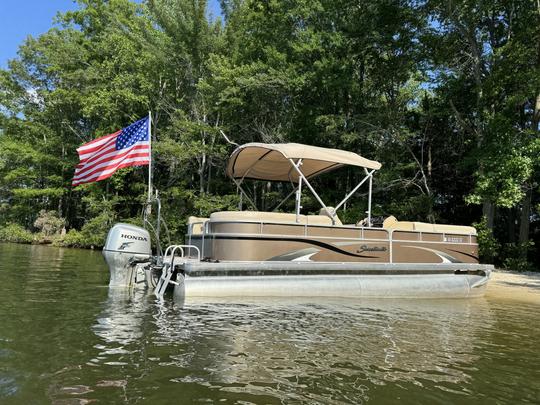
66	339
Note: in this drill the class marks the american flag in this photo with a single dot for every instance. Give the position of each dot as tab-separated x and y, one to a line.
100	158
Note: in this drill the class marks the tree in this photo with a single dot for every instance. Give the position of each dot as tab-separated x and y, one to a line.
445	94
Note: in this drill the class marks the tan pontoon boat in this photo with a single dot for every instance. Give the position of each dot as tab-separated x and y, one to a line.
254	253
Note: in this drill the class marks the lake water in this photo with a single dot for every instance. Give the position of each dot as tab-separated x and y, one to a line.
66	339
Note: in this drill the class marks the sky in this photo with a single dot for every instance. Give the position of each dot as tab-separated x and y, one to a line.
21	18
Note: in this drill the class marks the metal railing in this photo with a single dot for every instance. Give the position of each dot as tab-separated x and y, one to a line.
168	266
362	233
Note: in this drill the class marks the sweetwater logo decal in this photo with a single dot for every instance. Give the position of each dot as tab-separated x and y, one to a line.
366	248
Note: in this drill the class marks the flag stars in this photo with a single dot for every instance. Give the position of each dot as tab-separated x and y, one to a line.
132	134
127	147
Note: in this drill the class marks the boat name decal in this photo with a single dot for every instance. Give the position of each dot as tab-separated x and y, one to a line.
453	239
366	248
136	237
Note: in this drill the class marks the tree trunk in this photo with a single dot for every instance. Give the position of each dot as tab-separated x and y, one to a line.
430	163
61	199
512	225
524	223
488	210
201	173
536	113
209	177
524	220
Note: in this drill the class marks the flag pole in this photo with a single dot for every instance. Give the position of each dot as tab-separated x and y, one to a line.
150	163
151	197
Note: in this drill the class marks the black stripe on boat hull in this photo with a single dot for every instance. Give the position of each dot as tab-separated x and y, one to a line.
308	241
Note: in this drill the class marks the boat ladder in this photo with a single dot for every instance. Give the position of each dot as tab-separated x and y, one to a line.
169	264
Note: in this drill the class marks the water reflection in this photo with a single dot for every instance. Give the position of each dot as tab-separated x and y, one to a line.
299	350
122	317
66	338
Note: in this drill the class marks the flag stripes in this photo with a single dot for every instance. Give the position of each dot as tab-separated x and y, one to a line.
106	172
102	157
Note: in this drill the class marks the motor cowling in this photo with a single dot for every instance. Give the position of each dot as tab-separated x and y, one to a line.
126	247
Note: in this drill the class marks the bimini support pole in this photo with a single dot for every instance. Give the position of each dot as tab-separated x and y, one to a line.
243	193
285	199
368	176
299	194
369	195
305	180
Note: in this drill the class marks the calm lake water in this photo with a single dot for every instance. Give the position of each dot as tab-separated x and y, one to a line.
66	339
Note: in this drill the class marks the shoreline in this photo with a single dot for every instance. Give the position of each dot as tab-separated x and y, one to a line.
514	286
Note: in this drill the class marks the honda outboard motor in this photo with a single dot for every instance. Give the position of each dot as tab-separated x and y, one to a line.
127	246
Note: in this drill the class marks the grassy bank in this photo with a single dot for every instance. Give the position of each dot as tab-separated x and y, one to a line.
50	229
15	233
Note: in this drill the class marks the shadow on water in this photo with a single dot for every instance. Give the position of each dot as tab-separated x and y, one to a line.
79	342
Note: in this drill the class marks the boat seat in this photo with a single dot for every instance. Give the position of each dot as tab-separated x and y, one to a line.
274	217
198	225
461	229
392	223
321	220
255	216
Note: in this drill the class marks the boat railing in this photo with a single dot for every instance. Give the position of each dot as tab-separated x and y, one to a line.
169	265
190	231
362	229
422	236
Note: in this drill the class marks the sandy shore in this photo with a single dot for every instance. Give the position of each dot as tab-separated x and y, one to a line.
512	285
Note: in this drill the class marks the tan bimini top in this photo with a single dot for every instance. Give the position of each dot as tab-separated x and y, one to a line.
267	161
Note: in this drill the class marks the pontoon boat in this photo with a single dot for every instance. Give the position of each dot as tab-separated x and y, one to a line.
256	253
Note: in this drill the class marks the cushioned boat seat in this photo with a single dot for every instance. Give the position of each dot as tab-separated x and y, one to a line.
321	220
274	217
392	223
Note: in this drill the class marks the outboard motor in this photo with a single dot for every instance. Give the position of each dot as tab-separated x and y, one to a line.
127	246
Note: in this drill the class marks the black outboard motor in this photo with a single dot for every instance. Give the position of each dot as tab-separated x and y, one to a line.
126	248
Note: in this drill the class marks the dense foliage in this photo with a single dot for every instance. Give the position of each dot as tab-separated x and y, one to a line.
446	94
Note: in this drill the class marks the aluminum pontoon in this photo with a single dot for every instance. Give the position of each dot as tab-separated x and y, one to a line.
255	253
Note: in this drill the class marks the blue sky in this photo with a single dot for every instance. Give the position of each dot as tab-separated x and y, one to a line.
20	18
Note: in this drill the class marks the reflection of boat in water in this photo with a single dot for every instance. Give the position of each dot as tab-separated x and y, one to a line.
254	253
121	320
283	347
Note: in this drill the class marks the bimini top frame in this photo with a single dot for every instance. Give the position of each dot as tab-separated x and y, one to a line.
296	163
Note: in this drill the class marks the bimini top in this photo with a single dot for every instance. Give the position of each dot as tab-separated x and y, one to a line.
264	161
